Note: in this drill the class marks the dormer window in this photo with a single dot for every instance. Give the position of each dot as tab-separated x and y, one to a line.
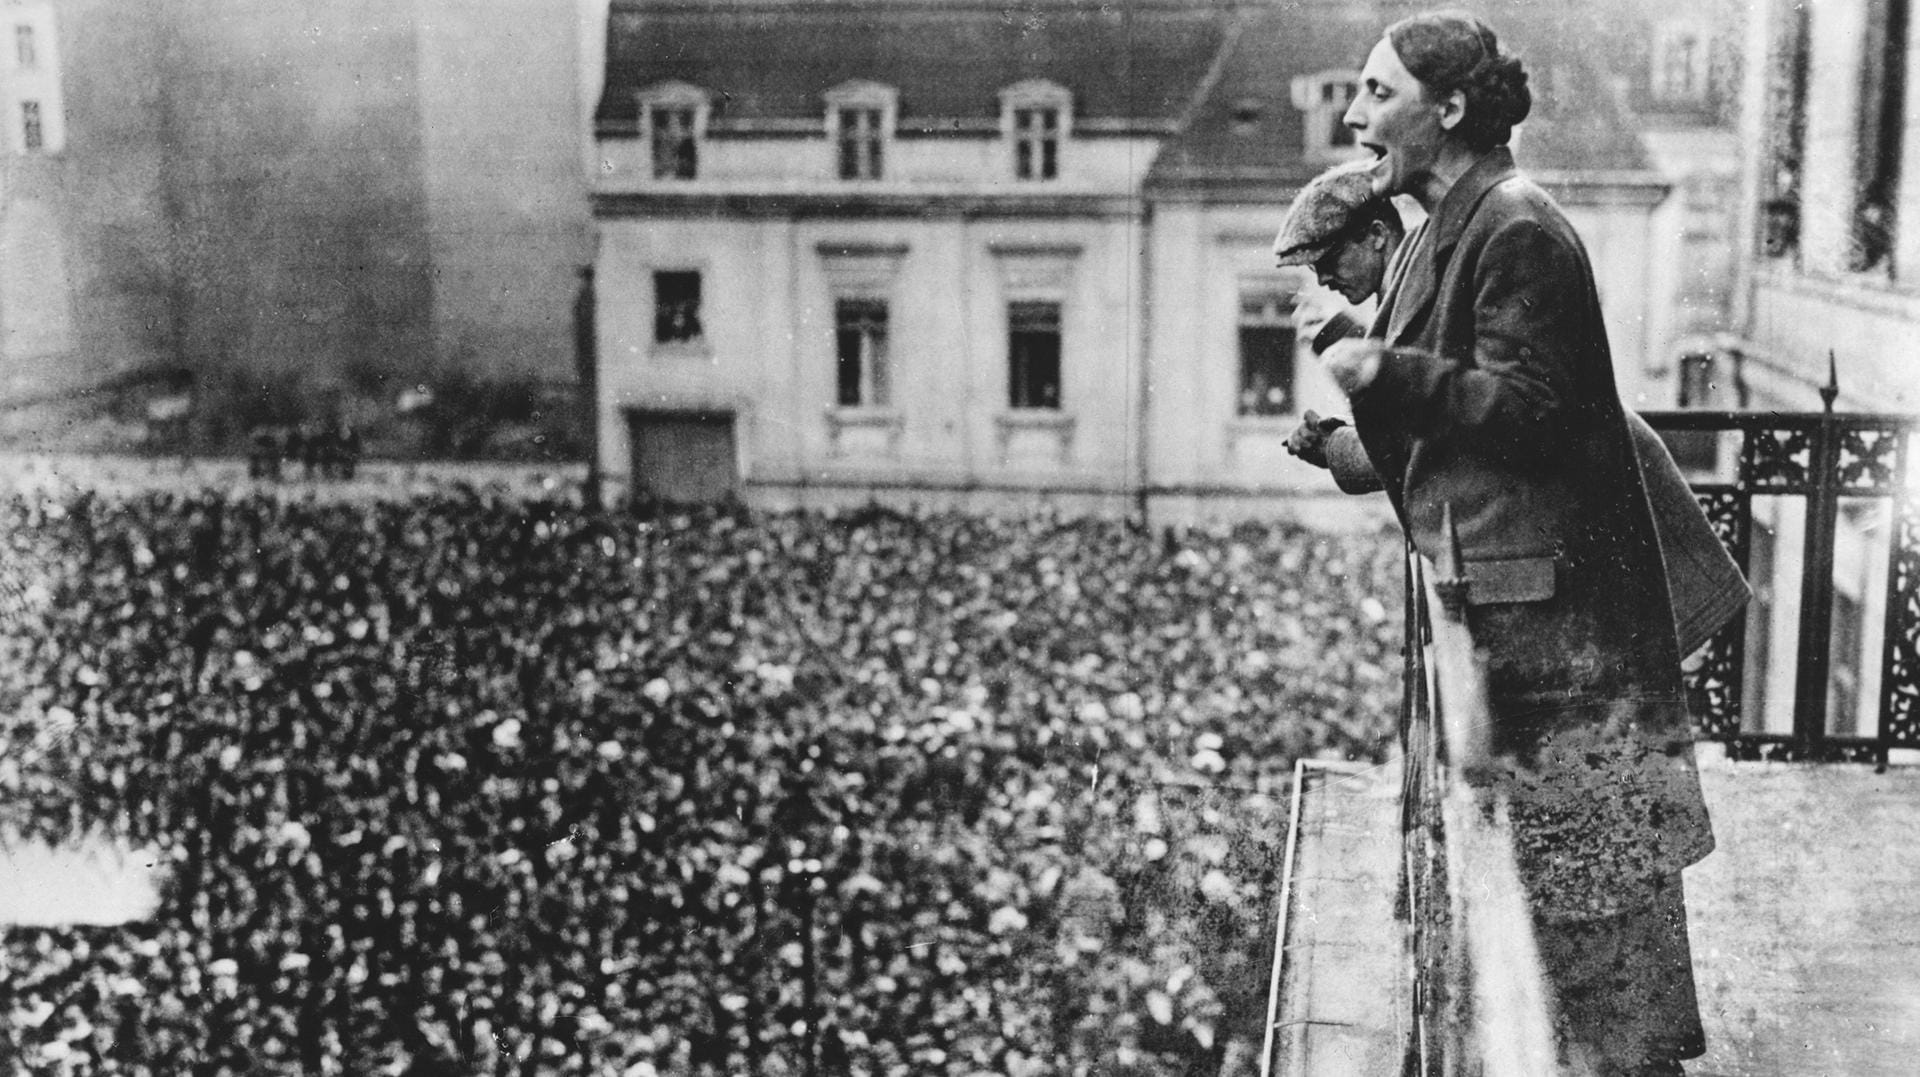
1036	117
860	118
1323	100
676	152
673	119
861	143
1036	143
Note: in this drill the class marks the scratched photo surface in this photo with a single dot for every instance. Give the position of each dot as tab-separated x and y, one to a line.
829	537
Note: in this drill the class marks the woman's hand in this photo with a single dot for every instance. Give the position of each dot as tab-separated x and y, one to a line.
1353	363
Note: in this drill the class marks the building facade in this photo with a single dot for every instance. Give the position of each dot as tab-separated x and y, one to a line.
300	208
81	201
1830	256
958	253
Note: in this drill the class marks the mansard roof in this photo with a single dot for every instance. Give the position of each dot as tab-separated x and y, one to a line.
768	60
1215	75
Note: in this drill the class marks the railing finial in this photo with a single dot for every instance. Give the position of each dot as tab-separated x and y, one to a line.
1831	390
1450	581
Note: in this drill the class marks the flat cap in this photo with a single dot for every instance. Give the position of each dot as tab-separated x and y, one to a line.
1321	209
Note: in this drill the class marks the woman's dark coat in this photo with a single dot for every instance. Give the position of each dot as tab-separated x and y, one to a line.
1496	396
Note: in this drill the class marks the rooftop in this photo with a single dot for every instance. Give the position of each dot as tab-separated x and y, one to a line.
1216	77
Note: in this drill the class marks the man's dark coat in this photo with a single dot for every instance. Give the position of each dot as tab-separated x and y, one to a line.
1496	396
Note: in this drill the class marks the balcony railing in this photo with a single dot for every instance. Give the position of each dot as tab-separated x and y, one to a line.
1820	510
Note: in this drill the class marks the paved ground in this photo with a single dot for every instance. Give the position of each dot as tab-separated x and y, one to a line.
1806	922
1805	926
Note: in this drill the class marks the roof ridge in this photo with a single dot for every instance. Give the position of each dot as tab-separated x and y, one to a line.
1229	42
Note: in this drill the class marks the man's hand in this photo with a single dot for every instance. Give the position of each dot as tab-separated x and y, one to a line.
1309	440
1353	364
1311	313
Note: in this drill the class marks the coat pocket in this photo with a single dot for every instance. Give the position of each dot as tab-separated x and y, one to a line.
1513	579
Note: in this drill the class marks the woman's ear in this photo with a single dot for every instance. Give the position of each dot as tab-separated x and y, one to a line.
1453	109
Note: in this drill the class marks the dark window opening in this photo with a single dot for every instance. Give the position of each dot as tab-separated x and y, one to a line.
1335	97
1697	380
676	307
675	153
860	143
860	333
1882	118
26	51
1787	124
33	134
1033	355
1696	450
1266	354
1036	147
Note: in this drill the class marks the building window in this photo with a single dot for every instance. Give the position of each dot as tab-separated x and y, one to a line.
1266	352
676	307
1335	97
1786	128
33	134
675	141
1697	385
1033	355
860	333
1036	143
859	123
1882	119
25	51
861	136
1323	100
1681	63
1036	119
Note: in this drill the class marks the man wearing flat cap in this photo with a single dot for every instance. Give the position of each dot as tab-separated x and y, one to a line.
1347	235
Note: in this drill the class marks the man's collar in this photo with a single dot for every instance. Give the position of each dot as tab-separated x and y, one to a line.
1457	206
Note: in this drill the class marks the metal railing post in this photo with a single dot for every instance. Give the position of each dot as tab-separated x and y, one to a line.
1816	576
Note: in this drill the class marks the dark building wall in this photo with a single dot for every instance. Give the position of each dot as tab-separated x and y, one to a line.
87	261
308	206
297	199
508	225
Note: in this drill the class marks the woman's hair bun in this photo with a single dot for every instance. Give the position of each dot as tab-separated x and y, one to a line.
1451	51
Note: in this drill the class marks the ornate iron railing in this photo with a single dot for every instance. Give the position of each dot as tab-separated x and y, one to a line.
1843	608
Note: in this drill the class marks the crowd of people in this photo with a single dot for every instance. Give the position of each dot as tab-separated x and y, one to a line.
463	785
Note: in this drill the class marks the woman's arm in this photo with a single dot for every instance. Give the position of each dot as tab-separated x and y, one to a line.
1532	317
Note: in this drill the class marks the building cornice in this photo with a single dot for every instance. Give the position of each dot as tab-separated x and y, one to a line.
1603	188
916	127
843	204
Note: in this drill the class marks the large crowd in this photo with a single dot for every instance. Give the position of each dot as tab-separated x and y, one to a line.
465	785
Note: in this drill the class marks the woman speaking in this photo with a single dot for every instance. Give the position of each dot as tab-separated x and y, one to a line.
1486	385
